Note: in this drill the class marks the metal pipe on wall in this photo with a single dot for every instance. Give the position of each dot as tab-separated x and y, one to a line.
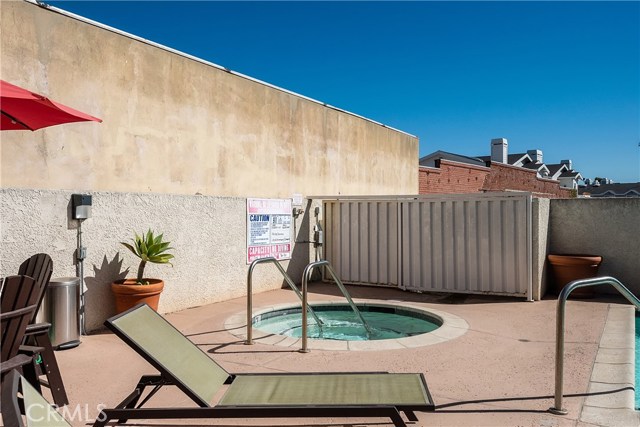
81	254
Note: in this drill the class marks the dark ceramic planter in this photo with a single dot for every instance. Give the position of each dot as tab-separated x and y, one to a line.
570	267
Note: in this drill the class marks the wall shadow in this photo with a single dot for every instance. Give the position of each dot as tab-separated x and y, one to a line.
99	303
391	293
444	408
302	247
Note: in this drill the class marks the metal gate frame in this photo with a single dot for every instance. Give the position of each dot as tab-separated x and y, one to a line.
483	241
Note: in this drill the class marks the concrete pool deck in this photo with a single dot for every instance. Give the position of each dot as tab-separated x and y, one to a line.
500	372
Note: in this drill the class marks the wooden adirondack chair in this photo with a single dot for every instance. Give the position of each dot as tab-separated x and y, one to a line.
18	305
37	341
40	267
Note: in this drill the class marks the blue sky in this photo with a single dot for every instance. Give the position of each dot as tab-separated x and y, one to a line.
563	77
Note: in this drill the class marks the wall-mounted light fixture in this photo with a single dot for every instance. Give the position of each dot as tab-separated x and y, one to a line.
81	206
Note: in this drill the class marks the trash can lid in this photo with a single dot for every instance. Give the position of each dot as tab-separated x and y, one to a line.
64	281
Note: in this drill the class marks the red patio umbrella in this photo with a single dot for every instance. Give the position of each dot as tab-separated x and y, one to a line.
22	110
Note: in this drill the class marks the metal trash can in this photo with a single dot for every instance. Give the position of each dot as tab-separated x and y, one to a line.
61	308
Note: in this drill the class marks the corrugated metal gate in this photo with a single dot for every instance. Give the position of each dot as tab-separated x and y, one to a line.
468	243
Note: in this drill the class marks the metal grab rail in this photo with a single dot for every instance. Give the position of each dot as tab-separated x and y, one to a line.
292	285
305	279
562	299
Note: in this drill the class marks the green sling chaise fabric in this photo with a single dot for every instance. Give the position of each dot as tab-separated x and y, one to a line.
182	364
37	411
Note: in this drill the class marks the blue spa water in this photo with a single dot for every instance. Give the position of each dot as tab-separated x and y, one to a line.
637	362
341	323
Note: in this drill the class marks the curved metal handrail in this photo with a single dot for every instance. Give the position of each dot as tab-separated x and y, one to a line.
305	280
292	285
562	299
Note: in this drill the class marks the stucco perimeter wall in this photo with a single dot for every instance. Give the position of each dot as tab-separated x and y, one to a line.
176	125
540	242
208	235
605	226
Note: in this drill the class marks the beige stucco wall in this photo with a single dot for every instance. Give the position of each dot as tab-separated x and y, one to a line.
540	245
604	226
208	235
177	125
182	145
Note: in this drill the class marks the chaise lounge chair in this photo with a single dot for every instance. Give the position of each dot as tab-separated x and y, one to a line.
18	396
182	364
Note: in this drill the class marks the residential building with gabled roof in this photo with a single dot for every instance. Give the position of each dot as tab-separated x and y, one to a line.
555	170
532	159
432	159
445	172
569	179
540	168
631	189
518	159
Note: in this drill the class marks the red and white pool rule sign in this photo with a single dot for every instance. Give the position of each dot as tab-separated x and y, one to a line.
268	229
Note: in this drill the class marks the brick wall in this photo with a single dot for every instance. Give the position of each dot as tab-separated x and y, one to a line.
453	177
506	177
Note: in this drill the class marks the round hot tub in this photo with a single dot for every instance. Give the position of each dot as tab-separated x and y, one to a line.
340	322
394	325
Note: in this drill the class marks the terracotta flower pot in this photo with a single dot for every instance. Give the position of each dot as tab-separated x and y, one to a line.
570	267
129	294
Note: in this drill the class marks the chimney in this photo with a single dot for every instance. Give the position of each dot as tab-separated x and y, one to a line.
566	162
536	155
499	150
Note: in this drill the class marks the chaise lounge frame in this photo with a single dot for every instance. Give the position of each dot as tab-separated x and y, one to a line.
200	378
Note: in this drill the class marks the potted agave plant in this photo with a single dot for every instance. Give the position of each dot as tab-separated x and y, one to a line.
130	292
